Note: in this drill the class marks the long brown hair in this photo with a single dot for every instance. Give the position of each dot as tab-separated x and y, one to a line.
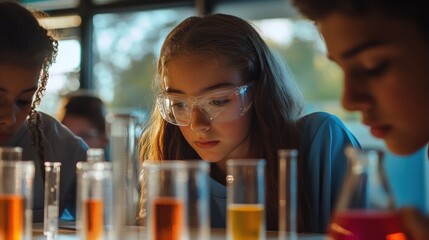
25	43
277	103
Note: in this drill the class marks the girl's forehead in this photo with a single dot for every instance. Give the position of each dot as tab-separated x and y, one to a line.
17	78
191	77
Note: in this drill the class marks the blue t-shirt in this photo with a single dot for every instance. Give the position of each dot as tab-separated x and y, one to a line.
60	145
323	139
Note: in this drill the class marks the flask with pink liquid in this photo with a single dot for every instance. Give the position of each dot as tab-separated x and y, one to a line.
365	209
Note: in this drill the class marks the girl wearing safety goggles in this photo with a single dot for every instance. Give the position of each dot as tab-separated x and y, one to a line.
224	94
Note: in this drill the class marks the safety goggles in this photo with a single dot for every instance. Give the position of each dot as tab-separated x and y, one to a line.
219	106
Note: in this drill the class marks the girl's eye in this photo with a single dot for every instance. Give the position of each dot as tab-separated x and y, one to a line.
219	102
179	105
23	103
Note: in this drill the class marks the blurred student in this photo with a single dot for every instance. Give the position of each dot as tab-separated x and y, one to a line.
224	94
383	49
27	50
85	115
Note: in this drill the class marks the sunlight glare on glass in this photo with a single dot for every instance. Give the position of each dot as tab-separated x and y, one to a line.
61	22
125	48
279	30
305	30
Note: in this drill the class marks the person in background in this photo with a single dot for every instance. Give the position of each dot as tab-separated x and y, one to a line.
224	94
85	115
27	50
382	48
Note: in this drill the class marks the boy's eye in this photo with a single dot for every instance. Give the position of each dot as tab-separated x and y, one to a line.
377	70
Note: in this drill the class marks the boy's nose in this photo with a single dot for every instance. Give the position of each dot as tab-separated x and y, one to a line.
356	96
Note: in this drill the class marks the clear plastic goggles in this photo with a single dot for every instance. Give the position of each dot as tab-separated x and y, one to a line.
219	106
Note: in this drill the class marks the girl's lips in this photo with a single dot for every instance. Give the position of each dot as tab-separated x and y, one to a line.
380	131
206	144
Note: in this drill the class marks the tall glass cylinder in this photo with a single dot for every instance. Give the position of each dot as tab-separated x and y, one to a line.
122	130
52	199
288	194
197	199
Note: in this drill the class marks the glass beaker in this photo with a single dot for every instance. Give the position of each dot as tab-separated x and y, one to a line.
11	153
246	199
166	200
177	199
92	155
96	201
16	198
365	209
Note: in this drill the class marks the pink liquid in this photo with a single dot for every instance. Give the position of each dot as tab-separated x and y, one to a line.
362	225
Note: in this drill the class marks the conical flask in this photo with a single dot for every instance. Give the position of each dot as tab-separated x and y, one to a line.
365	209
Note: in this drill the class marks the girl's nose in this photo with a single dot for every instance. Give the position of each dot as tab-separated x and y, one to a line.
199	121
7	114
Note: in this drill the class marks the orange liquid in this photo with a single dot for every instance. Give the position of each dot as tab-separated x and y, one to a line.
11	217
93	222
246	221
167	219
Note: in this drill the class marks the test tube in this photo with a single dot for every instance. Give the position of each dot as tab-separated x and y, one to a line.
288	194
51	207
92	155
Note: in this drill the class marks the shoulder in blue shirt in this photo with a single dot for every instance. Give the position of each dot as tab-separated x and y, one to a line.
323	138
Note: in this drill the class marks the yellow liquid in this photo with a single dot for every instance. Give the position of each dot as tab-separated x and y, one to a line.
246	221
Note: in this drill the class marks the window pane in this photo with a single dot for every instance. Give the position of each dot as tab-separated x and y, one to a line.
104	1
64	75
126	46
51	4
300	45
